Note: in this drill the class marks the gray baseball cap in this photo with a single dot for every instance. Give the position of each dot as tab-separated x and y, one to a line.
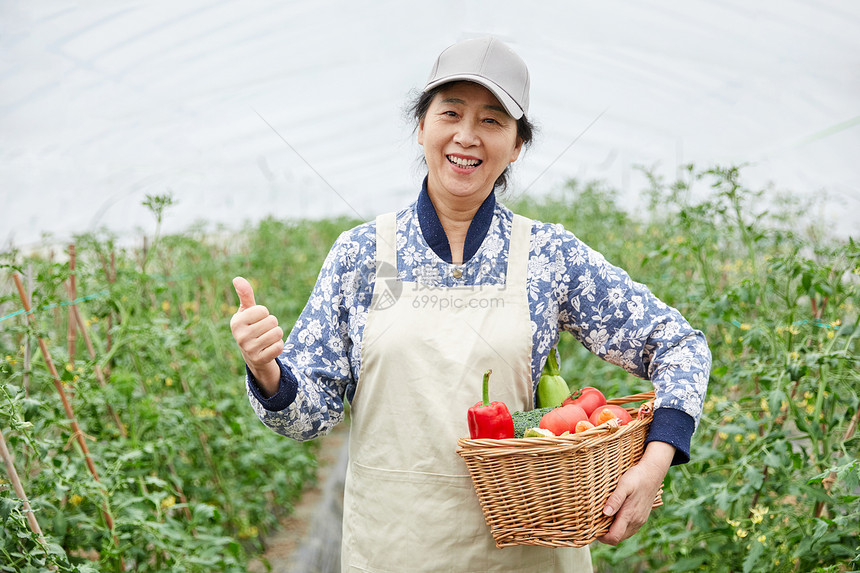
488	62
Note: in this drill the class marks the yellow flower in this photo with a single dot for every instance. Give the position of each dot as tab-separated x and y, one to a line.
758	513
203	412
830	334
165	305
168	381
75	500
751	436
762	538
723	435
764	406
746	326
249	531
168	502
808	395
738	438
741	533
794	329
793	355
810	409
733	522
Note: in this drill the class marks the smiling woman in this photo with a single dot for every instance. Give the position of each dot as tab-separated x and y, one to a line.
511	285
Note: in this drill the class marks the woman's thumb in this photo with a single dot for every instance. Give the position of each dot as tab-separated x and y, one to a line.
616	500
245	292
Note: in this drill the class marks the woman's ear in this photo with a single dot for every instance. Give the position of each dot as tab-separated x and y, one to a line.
515	152
421	132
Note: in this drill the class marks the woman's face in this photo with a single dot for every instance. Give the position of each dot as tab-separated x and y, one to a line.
468	140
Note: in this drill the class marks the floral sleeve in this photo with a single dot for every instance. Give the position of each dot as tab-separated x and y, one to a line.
316	366
622	322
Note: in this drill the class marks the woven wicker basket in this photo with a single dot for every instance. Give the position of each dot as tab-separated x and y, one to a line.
551	491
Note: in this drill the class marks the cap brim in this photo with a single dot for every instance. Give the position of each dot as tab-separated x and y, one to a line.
514	110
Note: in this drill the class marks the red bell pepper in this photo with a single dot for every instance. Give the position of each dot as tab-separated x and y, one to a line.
490	419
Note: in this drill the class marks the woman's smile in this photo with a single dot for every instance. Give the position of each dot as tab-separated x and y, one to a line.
463	163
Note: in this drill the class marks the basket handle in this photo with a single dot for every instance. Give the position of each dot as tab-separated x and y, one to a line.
644	396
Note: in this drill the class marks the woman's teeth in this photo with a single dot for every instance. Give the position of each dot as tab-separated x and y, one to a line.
461	162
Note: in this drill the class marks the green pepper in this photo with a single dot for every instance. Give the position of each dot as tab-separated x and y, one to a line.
490	419
552	390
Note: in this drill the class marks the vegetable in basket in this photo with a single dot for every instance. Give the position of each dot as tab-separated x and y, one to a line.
588	398
526	420
552	389
563	419
605	413
490	419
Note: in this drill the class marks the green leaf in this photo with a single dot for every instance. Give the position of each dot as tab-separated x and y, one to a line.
821	526
6	507
752	558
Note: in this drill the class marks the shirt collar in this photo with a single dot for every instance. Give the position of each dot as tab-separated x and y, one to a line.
435	235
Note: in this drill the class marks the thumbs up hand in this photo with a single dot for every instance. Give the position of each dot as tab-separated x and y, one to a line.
259	337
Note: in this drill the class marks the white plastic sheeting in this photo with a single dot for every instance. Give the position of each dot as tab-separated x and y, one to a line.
248	109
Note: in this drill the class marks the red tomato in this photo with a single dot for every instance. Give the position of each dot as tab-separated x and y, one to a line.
563	419
610	410
588	398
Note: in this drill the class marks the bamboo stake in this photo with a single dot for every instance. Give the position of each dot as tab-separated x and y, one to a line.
19	489
82	326
59	385
22	495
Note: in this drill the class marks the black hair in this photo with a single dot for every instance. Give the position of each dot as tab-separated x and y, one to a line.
417	108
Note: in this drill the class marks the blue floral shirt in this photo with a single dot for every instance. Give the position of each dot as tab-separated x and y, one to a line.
570	287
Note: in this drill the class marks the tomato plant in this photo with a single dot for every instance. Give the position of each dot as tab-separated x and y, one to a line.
193	481
772	485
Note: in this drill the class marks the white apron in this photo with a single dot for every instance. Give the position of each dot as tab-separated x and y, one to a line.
409	503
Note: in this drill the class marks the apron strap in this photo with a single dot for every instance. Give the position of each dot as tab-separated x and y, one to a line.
518	252
386	239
